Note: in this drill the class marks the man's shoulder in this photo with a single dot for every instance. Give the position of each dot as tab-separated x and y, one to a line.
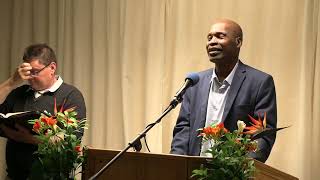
253	72
207	71
66	88
65	85
21	90
204	80
204	73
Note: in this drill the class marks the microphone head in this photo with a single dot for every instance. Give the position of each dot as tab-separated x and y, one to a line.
193	78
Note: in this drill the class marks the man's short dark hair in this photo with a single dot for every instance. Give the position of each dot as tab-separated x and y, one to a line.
42	52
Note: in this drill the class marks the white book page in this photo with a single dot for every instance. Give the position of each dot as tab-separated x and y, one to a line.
12	114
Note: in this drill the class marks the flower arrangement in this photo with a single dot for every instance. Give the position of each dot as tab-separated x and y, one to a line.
59	152
229	151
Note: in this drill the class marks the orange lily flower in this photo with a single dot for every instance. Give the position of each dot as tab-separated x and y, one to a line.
36	126
77	148
49	121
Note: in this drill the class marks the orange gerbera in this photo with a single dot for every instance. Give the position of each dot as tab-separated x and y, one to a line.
214	131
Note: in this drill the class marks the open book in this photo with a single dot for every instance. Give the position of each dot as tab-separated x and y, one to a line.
21	118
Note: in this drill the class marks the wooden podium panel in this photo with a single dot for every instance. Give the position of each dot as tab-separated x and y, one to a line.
148	166
265	172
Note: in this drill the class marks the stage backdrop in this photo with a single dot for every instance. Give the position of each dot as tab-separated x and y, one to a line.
129	57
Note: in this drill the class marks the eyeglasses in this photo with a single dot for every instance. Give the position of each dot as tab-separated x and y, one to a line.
34	72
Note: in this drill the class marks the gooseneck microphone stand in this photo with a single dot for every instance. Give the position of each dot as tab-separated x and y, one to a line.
176	100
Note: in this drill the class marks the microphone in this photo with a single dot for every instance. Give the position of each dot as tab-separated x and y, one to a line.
190	80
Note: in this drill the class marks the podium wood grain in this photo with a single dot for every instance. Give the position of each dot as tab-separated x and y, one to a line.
148	166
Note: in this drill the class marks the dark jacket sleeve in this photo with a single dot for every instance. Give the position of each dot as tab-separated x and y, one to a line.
266	102
181	132
75	99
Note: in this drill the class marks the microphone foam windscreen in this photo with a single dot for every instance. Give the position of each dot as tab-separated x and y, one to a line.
194	77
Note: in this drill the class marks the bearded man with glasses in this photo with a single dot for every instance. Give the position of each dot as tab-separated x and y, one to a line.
33	87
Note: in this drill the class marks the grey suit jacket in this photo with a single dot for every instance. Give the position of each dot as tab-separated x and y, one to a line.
252	92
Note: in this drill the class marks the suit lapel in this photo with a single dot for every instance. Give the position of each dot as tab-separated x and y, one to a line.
238	78
205	89
203	103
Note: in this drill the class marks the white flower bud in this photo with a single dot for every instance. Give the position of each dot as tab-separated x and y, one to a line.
57	138
241	125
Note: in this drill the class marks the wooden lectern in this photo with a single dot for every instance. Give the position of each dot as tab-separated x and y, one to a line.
147	166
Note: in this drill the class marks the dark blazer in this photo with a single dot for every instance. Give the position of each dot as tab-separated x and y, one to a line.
251	92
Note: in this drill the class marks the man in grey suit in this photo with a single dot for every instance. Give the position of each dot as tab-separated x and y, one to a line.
226	93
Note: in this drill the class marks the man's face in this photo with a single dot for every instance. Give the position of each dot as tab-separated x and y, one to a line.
42	75
222	45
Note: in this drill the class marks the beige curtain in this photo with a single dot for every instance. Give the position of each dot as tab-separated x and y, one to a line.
129	57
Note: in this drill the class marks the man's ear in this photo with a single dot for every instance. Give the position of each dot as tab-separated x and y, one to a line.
239	41
53	66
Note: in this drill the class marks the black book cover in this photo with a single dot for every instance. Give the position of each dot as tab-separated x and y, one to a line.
21	118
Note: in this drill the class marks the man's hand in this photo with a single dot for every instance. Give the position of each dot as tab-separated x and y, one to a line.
20	135
21	75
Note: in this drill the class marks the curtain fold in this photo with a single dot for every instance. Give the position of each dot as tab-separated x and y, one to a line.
130	57
312	74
